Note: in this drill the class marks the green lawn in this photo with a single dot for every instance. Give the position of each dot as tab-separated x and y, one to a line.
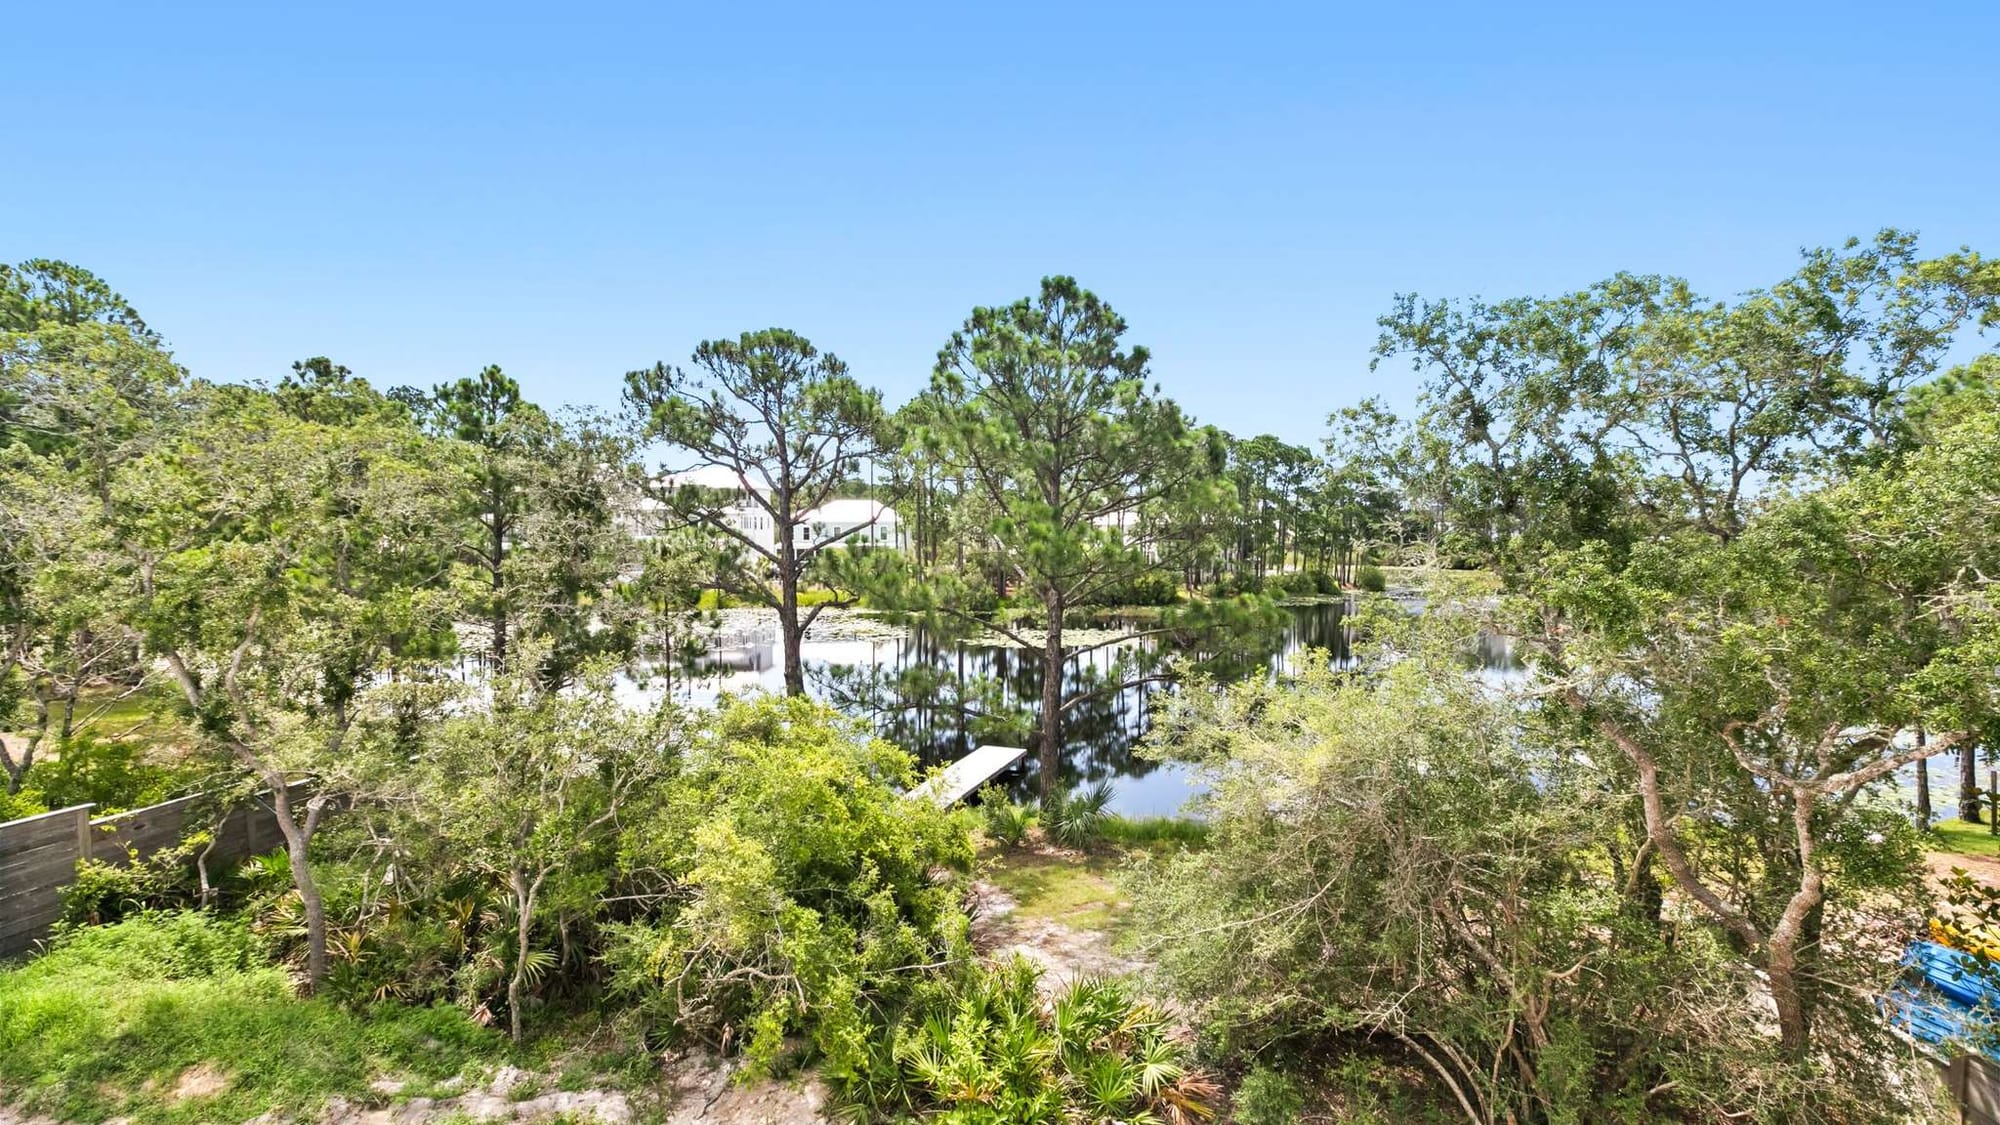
1959	838
178	1019
148	715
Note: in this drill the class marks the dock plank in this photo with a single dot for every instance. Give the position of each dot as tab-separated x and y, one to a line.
961	778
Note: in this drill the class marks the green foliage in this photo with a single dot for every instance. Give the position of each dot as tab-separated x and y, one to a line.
1267	1097
990	1050
1152	831
14	806
1149	588
1002	820
1371	578
44	292
113	774
103	893
1076	818
1356	824
809	889
111	1019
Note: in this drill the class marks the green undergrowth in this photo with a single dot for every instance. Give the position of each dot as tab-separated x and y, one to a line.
178	1018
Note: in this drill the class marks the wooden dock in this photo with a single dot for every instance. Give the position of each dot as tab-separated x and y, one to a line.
961	778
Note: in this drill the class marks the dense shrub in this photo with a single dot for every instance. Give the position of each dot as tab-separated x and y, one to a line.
1267	1097
1357	824
990	1050
1228	586
1371	578
111	773
14	806
1149	588
1300	584
103	893
1004	821
805	887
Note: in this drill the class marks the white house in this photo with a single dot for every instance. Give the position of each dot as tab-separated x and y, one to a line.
863	523
835	522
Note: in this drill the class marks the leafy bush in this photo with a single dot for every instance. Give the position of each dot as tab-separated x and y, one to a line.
1004	821
1357	822
1267	1097
1298	584
14	806
806	888
110	773
1149	588
1075	819
109	1020
103	893
1371	578
990	1049
1230	585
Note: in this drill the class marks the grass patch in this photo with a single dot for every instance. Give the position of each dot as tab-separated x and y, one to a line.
177	1018
713	599
1153	832
1081	889
1075	890
149	715
1959	838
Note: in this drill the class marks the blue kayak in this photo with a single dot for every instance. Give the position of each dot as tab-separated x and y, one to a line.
1947	996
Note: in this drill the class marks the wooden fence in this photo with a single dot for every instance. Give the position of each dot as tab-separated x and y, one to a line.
39	854
1975	1084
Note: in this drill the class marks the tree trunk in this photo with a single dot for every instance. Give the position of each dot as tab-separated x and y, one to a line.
524	905
1052	698
1781	966
297	841
498	621
1923	784
788	626
17	768
1968	784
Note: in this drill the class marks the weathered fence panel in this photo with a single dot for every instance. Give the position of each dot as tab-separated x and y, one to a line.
1975	1083
39	854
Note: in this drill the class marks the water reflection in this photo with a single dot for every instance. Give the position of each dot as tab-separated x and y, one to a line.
940	697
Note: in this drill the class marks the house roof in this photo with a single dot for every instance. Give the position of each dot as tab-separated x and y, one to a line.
850	511
711	476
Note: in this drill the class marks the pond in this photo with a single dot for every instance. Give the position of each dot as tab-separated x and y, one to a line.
939	698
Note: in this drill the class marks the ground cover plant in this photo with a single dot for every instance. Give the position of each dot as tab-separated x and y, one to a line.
181	1017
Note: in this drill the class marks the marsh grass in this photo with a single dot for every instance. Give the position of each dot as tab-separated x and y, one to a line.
1152	832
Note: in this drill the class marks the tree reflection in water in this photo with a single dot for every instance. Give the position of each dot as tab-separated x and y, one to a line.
939	697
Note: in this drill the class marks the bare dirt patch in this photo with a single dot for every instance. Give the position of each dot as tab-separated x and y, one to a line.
1984	868
699	1089
1064	953
200	1081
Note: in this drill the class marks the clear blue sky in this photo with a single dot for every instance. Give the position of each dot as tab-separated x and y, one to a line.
575	190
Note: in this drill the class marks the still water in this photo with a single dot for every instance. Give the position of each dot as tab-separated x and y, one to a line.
939	698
